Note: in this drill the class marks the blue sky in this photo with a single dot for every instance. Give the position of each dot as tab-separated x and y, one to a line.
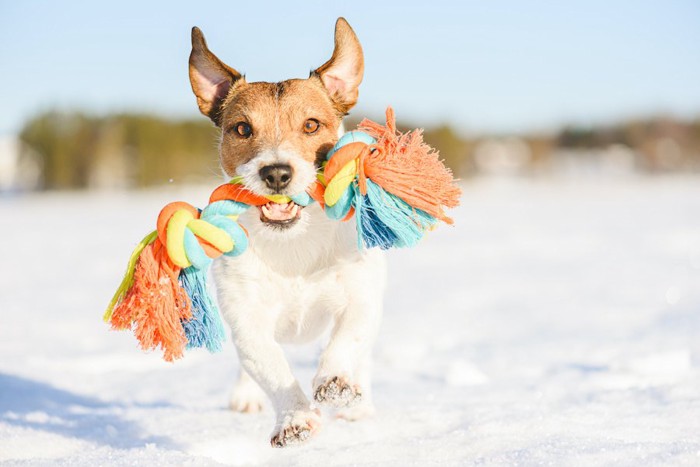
497	66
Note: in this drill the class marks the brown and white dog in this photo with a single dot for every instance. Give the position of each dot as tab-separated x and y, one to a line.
303	273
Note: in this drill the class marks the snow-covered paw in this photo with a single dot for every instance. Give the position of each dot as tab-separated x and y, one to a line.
247	398
337	392
295	427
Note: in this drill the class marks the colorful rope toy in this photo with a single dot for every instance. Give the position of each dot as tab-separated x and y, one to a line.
393	184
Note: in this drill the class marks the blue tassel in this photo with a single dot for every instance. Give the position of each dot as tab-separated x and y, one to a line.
205	329
387	221
407	223
370	229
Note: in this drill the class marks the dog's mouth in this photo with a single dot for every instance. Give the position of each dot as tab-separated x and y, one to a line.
280	215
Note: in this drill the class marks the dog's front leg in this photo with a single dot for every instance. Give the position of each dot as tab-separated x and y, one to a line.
264	360
252	314
343	378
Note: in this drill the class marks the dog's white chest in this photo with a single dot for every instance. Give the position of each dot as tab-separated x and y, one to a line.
294	287
306	306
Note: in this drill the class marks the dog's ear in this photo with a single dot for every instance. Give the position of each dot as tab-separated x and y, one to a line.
342	74
211	78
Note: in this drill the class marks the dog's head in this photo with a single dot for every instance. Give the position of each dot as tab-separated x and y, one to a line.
275	135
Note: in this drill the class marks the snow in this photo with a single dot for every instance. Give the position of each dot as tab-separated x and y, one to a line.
557	323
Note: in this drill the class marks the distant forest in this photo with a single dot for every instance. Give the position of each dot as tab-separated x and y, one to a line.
75	150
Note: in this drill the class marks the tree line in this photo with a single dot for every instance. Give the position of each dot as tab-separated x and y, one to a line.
77	150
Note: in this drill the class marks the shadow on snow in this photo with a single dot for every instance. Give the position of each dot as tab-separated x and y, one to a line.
40	406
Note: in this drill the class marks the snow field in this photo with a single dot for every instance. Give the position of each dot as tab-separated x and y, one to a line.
557	323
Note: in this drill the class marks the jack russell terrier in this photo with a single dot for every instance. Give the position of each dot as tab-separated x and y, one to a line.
303	273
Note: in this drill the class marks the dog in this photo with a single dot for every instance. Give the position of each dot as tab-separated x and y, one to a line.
303	273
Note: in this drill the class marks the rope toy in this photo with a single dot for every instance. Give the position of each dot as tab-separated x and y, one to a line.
393	184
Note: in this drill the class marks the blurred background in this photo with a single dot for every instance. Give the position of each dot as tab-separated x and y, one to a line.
97	95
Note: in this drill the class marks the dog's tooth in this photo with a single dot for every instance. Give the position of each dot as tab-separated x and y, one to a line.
294	211
266	211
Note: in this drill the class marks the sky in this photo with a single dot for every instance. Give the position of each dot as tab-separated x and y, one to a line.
486	66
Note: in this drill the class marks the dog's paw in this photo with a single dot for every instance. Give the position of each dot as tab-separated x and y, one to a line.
247	397
337	392
295	427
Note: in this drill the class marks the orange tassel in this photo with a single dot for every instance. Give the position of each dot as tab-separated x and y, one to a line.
408	168
155	304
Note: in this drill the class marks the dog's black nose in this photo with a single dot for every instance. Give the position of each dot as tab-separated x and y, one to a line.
276	176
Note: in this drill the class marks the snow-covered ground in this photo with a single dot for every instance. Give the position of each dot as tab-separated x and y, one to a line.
557	323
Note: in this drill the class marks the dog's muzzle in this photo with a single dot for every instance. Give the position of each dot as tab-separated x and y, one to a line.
277	177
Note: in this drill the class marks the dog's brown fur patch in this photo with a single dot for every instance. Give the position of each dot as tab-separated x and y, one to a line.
277	112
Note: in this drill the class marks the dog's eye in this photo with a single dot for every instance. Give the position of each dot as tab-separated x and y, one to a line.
311	126
243	129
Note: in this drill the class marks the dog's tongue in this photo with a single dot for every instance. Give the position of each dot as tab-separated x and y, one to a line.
280	212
